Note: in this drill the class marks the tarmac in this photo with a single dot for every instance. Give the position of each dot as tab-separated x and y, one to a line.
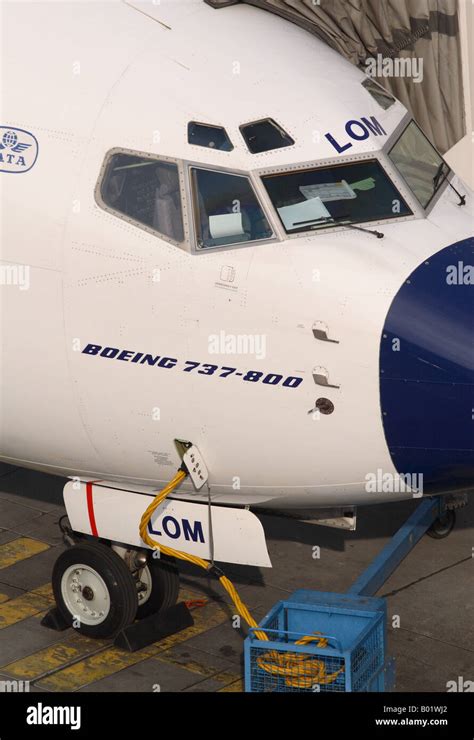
430	601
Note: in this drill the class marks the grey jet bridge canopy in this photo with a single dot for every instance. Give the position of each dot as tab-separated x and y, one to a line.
385	32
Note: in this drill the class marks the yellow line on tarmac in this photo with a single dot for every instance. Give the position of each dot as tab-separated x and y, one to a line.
228	679
205	618
111	660
24	606
190	665
53	657
103	664
208	671
20	549
237	686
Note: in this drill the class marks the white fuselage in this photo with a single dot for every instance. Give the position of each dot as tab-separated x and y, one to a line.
94	77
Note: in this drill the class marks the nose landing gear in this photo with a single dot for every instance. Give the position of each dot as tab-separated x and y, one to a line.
99	592
94	590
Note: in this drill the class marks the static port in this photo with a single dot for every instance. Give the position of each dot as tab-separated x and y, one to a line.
325	406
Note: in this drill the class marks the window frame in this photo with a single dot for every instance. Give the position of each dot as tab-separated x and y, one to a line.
185	244
194	230
392	143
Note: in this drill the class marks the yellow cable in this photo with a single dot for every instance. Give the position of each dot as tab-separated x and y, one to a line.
299	669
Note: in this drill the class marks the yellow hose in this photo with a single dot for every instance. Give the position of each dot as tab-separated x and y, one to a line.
300	670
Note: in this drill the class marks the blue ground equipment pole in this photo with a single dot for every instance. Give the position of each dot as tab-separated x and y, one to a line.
398	548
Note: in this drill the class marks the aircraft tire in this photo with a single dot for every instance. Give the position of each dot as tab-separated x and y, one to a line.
442	526
95	591
162	577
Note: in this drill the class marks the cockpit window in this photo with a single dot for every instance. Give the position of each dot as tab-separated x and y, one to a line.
262	136
332	196
146	190
379	94
419	163
226	209
212	137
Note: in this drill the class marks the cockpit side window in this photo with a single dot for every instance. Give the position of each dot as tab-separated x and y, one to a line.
419	163
147	191
263	136
226	209
212	137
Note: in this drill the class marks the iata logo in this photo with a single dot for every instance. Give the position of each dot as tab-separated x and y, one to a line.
18	150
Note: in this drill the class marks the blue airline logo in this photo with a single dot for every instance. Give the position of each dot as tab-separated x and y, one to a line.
18	150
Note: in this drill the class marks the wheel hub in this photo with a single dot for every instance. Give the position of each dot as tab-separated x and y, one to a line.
144	585
88	593
85	594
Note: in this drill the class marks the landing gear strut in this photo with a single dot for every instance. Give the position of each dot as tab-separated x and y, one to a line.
158	585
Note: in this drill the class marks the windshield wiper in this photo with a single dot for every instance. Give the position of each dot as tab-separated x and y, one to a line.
315	221
437	176
436	179
331	219
350	225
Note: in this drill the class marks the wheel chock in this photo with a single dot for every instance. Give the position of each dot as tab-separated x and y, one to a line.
54	620
153	628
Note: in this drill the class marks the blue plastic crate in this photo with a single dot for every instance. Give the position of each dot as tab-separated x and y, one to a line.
355	656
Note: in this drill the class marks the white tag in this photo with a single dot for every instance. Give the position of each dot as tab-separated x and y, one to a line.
306	212
225	225
329	191
196	467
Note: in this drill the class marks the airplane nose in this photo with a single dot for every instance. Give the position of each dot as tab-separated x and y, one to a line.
427	371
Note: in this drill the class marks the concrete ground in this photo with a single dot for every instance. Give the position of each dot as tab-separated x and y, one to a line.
431	593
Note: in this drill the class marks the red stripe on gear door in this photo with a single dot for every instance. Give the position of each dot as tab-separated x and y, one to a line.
90	509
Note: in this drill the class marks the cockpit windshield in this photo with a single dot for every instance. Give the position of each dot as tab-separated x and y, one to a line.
331	196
